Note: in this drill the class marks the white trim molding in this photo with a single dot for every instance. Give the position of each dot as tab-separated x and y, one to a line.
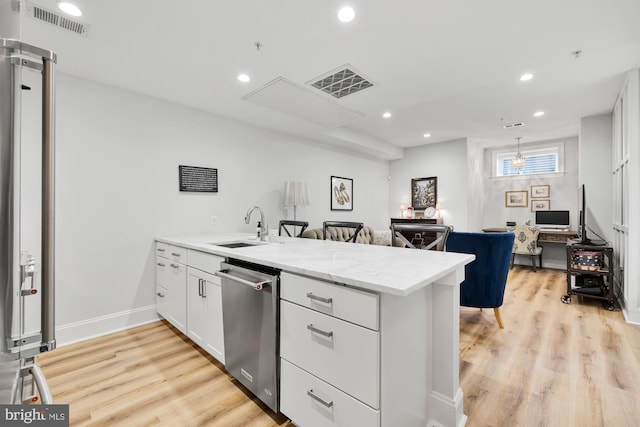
103	325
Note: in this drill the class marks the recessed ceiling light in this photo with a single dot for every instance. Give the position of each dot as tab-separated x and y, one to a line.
346	14
244	78
69	8
427	135
538	113
525	77
386	115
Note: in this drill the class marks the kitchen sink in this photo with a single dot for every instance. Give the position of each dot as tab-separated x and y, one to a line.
235	244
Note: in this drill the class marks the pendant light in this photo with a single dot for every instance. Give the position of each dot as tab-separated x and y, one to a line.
519	161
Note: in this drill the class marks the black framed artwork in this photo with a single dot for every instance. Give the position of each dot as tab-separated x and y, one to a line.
424	192
341	194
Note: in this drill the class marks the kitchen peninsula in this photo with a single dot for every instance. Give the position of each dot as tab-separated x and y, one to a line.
391	357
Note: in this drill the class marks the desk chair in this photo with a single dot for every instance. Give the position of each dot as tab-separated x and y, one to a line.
284	224
331	228
526	243
485	279
422	233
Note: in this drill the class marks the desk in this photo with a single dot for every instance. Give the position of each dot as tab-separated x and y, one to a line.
554	253
546	236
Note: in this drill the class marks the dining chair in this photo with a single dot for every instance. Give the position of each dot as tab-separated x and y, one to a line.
332	228
285	224
421	236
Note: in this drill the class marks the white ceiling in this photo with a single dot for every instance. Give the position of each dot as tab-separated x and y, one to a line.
450	68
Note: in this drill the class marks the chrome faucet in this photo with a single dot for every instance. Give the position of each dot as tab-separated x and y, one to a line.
263	224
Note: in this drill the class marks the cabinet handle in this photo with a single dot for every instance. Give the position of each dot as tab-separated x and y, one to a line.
204	288
312	395
175	266
317	298
160	249
175	254
160	264
160	294
319	331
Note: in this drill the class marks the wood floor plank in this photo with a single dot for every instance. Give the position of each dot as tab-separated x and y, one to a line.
553	364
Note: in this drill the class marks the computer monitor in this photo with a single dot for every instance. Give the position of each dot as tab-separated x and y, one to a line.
553	219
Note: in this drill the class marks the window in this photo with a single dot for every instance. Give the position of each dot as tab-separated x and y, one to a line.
541	159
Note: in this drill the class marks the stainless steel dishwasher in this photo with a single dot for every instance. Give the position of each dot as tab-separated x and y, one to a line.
251	317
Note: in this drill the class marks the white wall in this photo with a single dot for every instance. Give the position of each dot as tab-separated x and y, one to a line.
491	211
595	173
117	188
447	161
563	194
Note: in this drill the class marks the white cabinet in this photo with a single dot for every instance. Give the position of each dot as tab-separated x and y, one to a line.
330	354
204	307
171	283
189	296
313	402
204	303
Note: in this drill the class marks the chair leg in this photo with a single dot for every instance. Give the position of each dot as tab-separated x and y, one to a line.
540	263
533	262
496	311
513	257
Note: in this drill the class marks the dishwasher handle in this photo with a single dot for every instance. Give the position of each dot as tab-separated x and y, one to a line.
258	286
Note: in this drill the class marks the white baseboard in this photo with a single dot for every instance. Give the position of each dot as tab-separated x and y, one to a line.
632	317
98	326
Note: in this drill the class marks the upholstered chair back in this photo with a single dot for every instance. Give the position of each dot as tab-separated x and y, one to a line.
526	240
486	277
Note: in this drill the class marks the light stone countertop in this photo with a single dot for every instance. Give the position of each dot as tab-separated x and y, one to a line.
396	271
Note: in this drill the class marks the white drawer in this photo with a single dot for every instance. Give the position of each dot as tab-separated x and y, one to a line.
348	359
162	249
204	261
305	410
170	274
349	304
175	253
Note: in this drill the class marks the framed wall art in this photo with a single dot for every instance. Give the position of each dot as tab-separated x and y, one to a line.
341	194
540	191
540	205
424	192
516	199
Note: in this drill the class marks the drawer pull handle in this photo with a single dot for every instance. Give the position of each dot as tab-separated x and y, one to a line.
312	395
319	331
160	294
160	264
175	254
175	266
317	298
160	250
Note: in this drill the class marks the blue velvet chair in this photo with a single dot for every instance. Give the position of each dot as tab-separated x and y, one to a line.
486	277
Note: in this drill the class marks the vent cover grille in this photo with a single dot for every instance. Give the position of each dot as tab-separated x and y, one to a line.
341	83
57	19
513	125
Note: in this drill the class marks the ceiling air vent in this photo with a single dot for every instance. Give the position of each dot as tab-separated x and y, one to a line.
342	82
513	125
58	19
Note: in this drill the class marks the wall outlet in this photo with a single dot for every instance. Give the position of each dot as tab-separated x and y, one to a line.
214	219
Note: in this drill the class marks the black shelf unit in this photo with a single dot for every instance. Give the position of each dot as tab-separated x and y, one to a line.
597	283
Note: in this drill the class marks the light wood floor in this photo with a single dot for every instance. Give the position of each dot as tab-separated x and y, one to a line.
552	365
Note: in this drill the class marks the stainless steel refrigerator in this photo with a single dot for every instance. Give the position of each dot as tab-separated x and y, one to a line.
26	273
